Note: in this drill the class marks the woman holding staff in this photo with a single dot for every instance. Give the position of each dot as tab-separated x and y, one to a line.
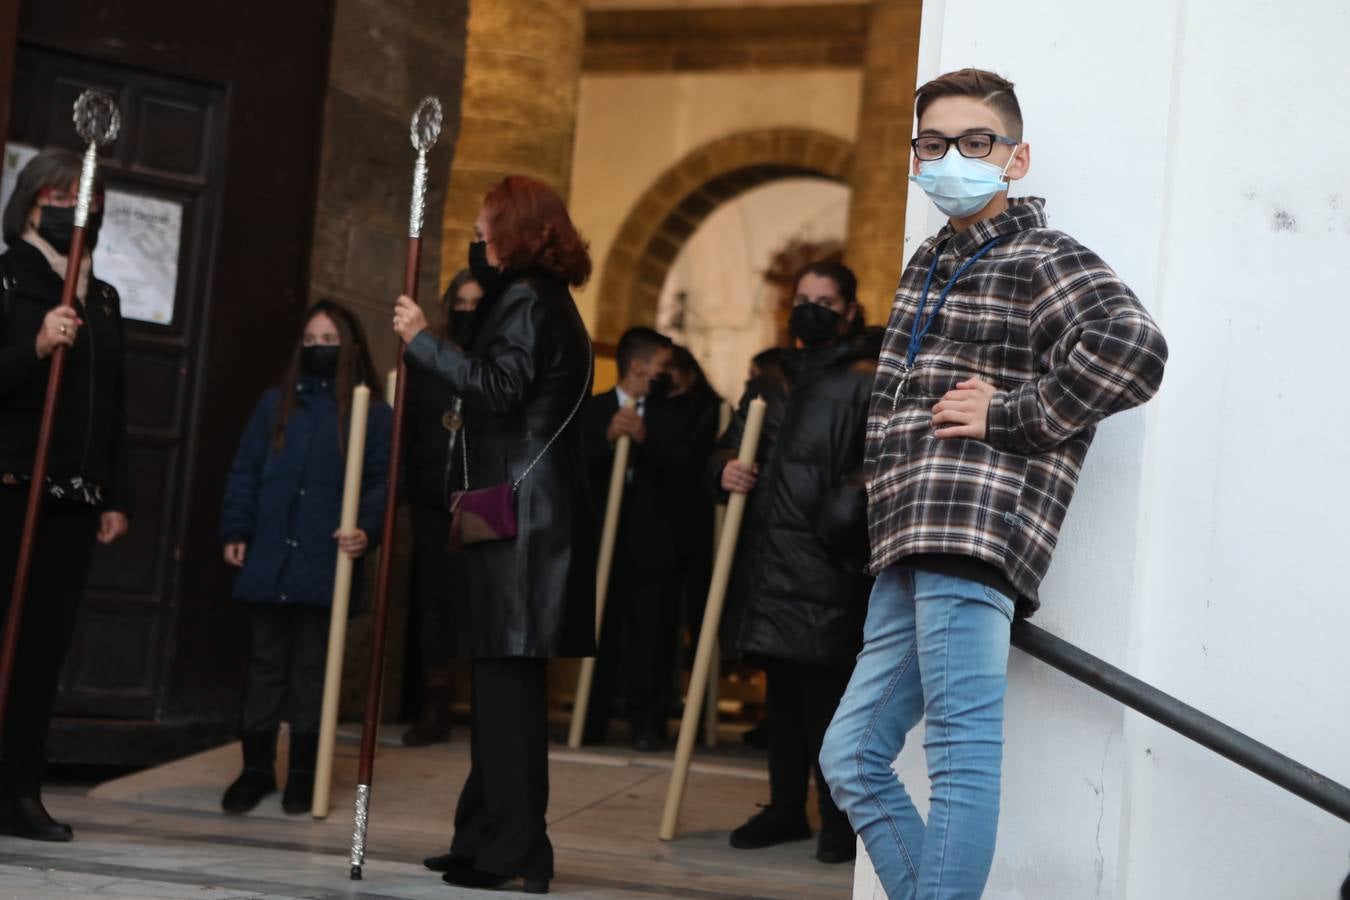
87	487
527	589
279	521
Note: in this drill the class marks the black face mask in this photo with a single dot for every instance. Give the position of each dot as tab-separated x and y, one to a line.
320	361
484	272
661	386
56	226
459	323
814	325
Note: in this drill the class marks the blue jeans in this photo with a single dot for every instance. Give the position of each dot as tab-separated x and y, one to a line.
935	648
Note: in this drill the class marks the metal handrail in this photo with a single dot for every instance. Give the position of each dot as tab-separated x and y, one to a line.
1185	720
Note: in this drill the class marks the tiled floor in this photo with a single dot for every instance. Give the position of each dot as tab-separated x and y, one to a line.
159	834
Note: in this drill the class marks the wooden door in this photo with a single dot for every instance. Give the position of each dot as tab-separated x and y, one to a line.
163	174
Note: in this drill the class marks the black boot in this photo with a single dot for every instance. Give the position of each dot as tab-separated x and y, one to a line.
259	777
26	817
299	796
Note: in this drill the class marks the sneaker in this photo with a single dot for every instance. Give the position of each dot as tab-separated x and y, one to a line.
770	827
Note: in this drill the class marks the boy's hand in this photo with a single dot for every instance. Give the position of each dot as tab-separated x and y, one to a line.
964	410
626	422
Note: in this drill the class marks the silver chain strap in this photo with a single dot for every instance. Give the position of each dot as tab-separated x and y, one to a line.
585	386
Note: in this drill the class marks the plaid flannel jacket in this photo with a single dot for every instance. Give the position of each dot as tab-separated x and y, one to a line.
1066	344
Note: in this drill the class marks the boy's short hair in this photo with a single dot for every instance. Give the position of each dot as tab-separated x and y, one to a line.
639	343
994	91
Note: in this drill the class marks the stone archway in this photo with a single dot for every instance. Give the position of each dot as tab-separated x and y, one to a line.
682	198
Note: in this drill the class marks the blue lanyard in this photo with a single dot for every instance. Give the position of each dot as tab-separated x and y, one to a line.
922	325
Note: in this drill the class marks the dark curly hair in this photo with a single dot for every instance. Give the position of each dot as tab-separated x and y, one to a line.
531	230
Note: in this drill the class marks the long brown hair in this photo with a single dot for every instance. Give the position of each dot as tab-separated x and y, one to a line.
354	367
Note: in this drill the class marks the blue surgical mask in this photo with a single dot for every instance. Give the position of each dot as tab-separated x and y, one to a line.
959	186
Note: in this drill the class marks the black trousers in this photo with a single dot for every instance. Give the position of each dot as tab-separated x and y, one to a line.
433	577
290	646
500	822
65	545
637	645
801	702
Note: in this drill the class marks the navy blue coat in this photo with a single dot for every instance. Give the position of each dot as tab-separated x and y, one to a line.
287	505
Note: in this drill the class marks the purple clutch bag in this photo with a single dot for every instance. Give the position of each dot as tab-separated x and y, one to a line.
482	515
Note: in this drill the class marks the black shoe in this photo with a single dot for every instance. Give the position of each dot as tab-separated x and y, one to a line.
259	776
448	862
769	828
833	853
486	881
649	743
757	737
26	817
299	796
247	791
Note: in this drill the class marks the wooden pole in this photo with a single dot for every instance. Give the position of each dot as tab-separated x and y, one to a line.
342	593
370	720
617	477
715	670
712	619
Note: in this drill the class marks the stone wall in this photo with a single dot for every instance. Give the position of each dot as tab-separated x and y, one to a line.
386	55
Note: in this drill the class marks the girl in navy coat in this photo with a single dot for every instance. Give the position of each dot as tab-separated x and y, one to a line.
279	522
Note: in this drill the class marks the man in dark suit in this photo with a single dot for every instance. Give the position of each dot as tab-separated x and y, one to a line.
637	641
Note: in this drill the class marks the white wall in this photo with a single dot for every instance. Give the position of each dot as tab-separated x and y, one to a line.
632	128
1204	547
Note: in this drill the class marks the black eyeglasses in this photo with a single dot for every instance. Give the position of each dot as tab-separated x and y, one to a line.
976	145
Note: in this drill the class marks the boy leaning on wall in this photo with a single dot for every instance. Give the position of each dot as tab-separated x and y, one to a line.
1007	343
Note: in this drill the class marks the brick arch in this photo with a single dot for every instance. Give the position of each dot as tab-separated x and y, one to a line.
684	196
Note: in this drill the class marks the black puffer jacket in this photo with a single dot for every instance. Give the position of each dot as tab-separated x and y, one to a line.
520	377
89	438
798	591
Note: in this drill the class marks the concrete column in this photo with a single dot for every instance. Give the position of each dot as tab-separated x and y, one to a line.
518	116
876	220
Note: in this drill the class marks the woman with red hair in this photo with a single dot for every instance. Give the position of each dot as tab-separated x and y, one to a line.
522	366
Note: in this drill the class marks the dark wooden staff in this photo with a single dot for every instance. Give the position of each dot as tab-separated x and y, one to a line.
97	122
426	128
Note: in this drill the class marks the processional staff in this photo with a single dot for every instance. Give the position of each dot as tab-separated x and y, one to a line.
426	128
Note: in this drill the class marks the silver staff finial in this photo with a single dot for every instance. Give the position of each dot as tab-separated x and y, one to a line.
97	120
426	127
426	124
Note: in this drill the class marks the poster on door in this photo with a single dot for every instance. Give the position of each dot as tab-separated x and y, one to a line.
137	246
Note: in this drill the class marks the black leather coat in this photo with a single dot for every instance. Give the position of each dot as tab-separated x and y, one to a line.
89	438
798	589
526	364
